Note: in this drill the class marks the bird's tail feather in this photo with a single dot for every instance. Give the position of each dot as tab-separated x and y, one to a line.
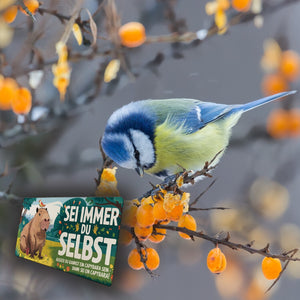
262	101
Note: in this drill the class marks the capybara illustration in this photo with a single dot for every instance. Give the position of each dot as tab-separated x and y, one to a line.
33	235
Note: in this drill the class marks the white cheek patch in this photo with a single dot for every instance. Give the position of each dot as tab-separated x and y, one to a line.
131	162
144	145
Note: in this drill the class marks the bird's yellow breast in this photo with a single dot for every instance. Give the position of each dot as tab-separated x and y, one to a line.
176	149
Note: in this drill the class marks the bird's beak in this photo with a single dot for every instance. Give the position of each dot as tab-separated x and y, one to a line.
140	170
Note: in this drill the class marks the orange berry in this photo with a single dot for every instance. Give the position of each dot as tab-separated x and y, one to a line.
152	259
134	260
159	212
125	237
175	213
158	236
216	260
32	6
188	222
132	34
142	232
278	123
10	14
129	215
294	122
290	65
22	103
241	5
144	215
271	267
8	92
274	83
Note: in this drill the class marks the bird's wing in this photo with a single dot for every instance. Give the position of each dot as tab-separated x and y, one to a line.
188	114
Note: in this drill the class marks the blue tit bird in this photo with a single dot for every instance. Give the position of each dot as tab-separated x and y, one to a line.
161	137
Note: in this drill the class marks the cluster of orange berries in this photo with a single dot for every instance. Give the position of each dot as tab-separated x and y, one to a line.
163	208
281	67
15	98
10	13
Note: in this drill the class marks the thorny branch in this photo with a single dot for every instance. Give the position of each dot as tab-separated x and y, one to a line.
170	184
140	247
226	242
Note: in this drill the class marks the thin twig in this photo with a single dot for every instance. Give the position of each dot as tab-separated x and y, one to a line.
201	194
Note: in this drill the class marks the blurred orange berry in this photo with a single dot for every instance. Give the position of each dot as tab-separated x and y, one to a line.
216	261
274	83
21	105
134	260
188	222
32	6
241	5
129	215
175	213
144	215
158	236
132	34
10	14
278	123
271	267
125	237
152	259
142	232
294	122
290	65
159	212
8	93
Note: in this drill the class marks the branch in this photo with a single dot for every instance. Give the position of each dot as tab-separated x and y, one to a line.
235	246
170	184
107	162
139	247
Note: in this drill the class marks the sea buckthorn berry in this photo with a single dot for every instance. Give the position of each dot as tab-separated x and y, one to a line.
273	84
241	5
216	260
8	92
152	259
22	103
278	123
188	222
134	260
32	6
158	236
144	215
10	14
129	215
271	267
290	65
159	212
294	123
142	232
132	34
175	213
125	237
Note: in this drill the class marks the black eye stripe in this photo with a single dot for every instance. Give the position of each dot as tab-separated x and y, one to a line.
137	155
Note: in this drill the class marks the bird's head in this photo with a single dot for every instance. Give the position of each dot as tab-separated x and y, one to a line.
129	137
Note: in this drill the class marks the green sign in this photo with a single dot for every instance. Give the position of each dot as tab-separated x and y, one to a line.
75	235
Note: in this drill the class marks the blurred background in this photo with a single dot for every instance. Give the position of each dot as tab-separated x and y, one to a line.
54	151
